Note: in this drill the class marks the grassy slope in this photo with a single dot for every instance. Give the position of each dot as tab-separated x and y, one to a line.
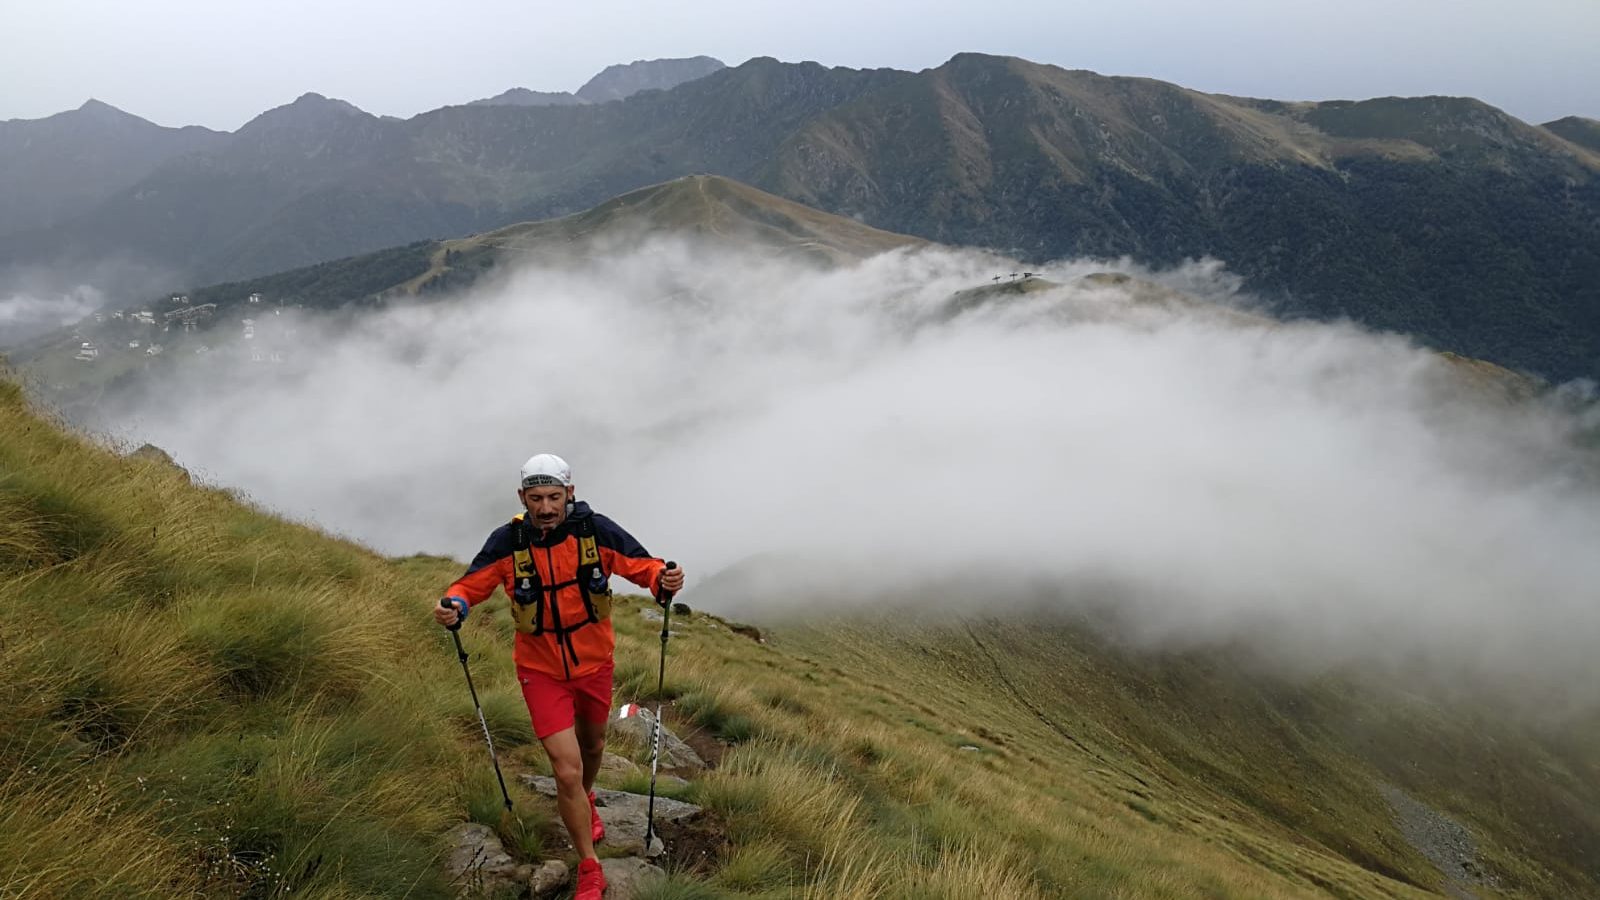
200	697
696	206
203	699
1103	774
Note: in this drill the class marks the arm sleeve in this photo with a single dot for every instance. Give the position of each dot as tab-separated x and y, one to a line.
488	570
626	557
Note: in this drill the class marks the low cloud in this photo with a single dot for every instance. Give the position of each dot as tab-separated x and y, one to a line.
25	315
35	299
806	439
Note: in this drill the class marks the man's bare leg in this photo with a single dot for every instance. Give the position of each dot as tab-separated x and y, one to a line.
572	796
592	744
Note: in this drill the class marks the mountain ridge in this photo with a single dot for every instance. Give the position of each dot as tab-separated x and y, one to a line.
1340	208
60	166
1578	130
711	212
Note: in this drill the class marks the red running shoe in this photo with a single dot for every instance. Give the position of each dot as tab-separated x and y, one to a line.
591	881
597	828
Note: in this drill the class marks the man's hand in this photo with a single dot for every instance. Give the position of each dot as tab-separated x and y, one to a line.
447	613
672	580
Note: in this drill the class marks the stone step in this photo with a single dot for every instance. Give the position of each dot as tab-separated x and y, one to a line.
624	813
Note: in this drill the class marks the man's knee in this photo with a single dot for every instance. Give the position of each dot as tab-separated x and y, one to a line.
593	746
568	772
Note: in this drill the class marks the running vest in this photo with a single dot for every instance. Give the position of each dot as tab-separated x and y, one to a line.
530	598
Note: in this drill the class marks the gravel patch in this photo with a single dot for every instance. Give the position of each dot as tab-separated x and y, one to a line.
1445	842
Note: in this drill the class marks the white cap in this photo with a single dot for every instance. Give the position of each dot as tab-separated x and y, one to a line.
546	468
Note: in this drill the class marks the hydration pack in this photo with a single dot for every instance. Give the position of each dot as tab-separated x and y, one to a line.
532	600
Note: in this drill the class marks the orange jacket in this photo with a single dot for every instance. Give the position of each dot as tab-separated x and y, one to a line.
571	646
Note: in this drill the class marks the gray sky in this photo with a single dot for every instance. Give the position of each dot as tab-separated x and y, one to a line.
218	64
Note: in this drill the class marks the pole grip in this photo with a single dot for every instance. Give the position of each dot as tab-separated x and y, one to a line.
665	597
460	608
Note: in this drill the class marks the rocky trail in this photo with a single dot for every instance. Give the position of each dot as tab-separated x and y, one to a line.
480	866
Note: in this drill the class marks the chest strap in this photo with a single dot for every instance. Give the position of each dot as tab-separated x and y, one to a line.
531	598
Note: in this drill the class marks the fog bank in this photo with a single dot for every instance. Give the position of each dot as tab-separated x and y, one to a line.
800	437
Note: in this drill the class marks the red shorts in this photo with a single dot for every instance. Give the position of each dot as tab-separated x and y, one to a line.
554	703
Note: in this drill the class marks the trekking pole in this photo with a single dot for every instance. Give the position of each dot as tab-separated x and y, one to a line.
455	632
655	731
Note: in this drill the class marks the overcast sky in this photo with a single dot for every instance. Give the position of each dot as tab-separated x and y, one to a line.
213	63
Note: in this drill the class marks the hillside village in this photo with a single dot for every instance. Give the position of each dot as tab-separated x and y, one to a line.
254	329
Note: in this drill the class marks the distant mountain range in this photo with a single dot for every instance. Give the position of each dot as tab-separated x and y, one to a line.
1442	217
614	83
54	169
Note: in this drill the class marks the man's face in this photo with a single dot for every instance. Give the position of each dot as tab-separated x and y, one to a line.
547	504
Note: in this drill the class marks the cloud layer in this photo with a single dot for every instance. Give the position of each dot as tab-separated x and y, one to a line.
796	436
23	315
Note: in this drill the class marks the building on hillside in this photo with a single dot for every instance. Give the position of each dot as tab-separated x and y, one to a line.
145	317
153	350
190	316
180	299
255	298
133	345
88	352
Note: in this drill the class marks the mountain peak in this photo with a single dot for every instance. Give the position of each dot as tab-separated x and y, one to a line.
99	111
314	100
711	207
615	82
625	79
310	109
100	107
1578	130
521	96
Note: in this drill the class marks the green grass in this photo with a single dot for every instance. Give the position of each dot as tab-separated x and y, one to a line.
1098	771
203	700
709	709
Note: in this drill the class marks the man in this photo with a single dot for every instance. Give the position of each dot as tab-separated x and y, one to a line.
554	562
